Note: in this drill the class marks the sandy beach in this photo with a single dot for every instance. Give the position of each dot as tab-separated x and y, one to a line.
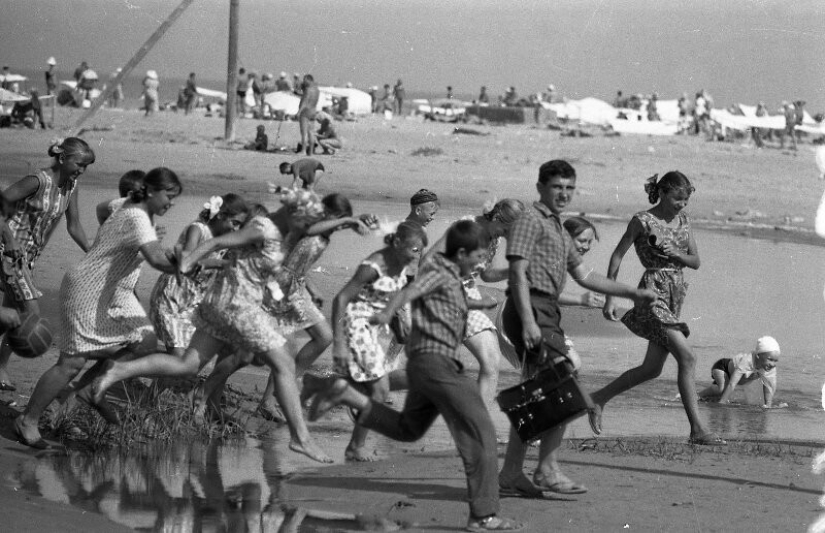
641	483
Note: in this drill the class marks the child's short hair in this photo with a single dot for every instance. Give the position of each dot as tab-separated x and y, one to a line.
575	226
555	168
285	167
129	182
466	234
336	206
260	127
423	196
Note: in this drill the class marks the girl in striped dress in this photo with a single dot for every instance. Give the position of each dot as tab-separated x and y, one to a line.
39	202
173	302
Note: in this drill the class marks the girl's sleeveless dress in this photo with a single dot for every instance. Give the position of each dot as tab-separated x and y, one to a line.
478	321
172	304
368	343
662	275
32	224
99	309
233	308
296	311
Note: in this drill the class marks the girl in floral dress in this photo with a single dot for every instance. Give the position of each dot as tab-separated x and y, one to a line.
665	246
39	202
101	318
300	307
359	349
173	302
233	312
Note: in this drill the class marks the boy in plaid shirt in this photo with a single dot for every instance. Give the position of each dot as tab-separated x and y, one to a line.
438	384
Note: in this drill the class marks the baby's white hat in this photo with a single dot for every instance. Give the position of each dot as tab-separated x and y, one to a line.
766	344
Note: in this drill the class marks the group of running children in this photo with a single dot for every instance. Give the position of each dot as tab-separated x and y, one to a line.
236	284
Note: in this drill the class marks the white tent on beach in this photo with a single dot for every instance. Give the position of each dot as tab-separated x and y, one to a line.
360	103
587	110
283	101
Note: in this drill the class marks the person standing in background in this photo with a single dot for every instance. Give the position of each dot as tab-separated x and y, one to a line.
51	84
240	90
190	93
400	93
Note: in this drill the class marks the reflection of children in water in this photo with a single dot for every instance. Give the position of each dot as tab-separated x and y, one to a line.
745	368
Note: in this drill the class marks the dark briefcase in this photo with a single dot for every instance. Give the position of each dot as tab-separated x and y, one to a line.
550	398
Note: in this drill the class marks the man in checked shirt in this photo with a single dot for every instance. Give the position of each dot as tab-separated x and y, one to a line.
437	381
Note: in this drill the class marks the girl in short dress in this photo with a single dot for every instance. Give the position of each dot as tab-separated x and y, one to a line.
300	307
101	318
173	302
233	312
359	348
664	243
480	337
39	202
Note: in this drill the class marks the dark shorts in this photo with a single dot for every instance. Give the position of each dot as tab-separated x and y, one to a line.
723	365
242	94
548	317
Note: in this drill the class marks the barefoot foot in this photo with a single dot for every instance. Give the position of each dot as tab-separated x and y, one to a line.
594	416
311	450
359	454
28	434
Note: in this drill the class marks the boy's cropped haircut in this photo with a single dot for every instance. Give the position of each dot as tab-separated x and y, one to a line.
555	168
285	167
466	234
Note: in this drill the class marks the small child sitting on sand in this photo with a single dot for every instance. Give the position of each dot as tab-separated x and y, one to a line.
744	368
261	142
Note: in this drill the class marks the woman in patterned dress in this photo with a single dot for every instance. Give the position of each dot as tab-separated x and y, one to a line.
300	307
101	318
360	348
480	337
174	299
664	243
39	201
233	312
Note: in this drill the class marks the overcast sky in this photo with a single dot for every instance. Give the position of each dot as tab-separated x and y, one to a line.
738	50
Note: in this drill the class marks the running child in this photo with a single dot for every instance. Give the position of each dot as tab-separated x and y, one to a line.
174	298
38	202
101	316
438	384
232	314
360	347
745	368
664	243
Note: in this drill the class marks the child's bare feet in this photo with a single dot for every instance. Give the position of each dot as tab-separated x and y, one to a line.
359	454
327	399
310	449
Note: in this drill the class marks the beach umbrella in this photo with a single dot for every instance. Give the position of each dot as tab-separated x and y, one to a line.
283	101
10	96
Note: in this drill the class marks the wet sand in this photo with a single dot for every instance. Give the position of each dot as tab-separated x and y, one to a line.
684	491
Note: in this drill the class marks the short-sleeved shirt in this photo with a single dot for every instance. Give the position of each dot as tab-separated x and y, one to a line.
539	237
305	169
746	364
439	317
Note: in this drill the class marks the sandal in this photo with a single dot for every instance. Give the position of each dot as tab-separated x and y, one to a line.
526	490
708	439
563	485
493	523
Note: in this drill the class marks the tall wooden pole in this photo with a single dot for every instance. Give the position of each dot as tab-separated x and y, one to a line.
132	63
232	71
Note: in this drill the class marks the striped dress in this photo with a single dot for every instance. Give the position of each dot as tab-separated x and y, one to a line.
34	220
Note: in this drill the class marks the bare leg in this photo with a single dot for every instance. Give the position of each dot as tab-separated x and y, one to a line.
201	349
320	338
286	390
484	347
356	449
209	394
715	390
686	379
650	368
50	384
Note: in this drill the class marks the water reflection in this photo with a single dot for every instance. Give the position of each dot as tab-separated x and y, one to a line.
230	487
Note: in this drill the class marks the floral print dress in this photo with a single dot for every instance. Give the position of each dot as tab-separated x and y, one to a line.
662	275
296	311
477	320
233	309
368	343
